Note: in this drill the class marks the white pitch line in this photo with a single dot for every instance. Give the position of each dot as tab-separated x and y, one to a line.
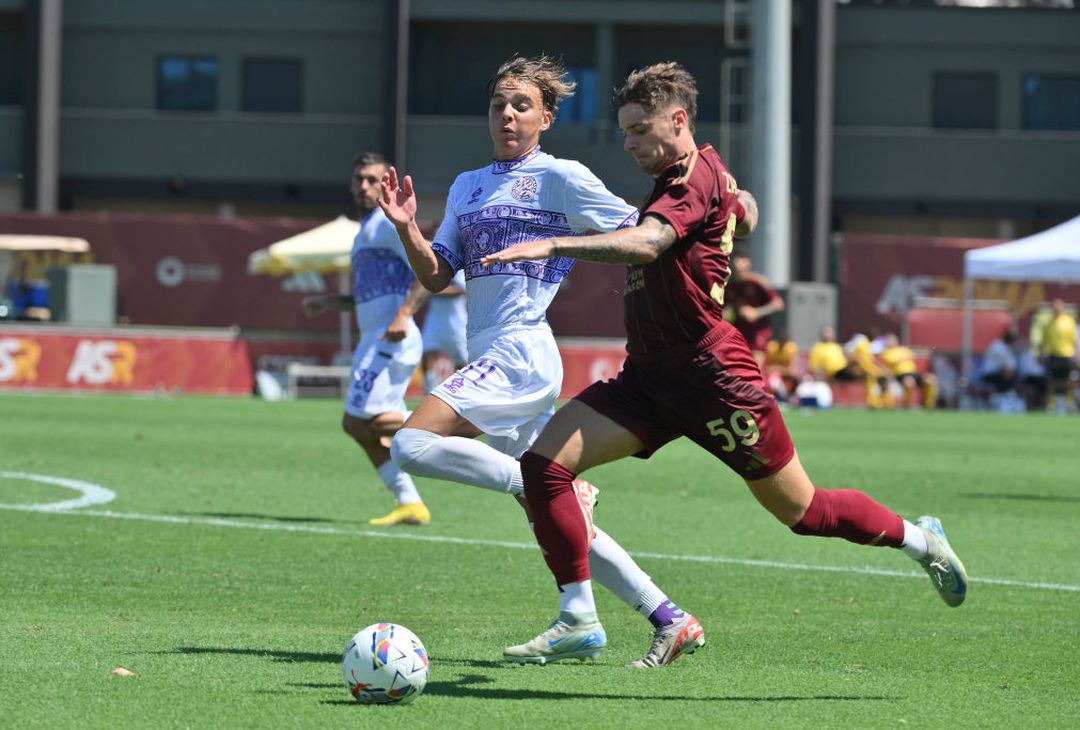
91	493
314	529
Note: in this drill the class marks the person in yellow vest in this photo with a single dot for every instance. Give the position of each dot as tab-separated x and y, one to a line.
861	355
827	361
1059	349
900	361
781	366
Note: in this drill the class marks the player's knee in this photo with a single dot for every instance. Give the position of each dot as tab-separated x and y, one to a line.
409	446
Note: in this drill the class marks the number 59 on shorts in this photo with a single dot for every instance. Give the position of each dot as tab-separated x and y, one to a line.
737	429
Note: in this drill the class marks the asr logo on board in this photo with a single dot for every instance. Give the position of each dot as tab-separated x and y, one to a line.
97	362
19	360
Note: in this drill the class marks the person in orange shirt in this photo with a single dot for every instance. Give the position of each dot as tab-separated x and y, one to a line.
900	362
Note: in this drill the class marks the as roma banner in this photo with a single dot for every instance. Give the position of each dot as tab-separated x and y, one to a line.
122	361
191	271
881	278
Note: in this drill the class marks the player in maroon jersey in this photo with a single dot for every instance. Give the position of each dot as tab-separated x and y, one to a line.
748	302
688	373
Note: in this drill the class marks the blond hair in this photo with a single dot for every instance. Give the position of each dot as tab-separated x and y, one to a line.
543	72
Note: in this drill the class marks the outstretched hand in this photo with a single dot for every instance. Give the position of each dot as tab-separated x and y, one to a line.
528	251
397	201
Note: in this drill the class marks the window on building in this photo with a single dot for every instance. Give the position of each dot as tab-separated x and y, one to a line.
11	60
965	100
273	85
1051	102
187	83
581	107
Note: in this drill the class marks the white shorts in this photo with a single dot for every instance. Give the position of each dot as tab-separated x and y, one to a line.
442	333
508	391
380	374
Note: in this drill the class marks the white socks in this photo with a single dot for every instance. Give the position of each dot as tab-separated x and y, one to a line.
576	599
612	567
398	482
914	545
455	459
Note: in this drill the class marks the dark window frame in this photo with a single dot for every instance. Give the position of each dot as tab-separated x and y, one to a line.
940	114
1026	112
248	104
164	99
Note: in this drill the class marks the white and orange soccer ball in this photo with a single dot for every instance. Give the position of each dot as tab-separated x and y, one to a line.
385	664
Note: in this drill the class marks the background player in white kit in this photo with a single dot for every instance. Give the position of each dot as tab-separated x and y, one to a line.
385	295
509	388
444	331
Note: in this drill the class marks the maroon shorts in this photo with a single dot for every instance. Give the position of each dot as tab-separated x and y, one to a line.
714	395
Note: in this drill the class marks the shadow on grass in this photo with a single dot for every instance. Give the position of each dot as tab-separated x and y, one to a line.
451	689
277	656
470	685
257	516
466	687
1022	497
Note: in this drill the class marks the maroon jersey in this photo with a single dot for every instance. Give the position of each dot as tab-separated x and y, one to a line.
678	299
752	291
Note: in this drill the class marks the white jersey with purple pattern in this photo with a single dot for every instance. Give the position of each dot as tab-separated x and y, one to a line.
381	278
509	389
534	197
381	275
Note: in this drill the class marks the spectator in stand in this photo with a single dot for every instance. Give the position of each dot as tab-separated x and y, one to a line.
748	303
781	365
900	361
1000	362
827	361
1059	349
1032	376
878	378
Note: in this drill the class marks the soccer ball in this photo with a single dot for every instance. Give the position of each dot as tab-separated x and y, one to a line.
385	664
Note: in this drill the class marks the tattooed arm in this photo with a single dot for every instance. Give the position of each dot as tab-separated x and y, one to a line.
640	244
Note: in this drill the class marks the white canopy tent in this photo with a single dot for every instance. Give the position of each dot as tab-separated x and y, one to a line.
1053	255
324	249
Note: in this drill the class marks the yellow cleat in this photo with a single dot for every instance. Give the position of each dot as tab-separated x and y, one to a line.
414	513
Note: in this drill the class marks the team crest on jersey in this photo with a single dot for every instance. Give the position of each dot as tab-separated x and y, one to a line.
525	188
475	197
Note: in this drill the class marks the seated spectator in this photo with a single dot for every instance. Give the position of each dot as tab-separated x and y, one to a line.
827	361
900	361
1000	362
1032	376
781	359
878	377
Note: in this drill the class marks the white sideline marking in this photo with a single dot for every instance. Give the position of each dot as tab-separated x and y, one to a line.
91	493
219	522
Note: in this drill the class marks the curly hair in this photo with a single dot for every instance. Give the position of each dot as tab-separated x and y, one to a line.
658	86
543	72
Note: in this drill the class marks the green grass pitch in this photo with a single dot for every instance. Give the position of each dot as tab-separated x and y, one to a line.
236	561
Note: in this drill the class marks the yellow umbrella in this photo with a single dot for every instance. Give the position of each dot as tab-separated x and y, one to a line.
324	249
13	242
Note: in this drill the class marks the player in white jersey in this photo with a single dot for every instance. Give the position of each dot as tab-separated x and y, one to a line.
385	295
508	390
444	331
